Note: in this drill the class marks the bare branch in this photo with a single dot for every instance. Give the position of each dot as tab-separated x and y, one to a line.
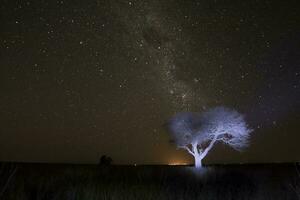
188	149
208	148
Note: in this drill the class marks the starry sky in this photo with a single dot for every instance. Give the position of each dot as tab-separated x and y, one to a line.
80	79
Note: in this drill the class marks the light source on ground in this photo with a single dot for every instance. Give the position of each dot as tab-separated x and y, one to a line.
177	163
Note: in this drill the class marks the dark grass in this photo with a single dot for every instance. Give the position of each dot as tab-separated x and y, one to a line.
88	182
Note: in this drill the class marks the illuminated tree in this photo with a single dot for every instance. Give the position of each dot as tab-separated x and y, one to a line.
197	133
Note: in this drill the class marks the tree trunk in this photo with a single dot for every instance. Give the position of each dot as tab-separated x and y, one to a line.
198	161
197	156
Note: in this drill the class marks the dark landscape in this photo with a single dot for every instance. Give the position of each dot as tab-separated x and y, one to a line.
149	99
88	182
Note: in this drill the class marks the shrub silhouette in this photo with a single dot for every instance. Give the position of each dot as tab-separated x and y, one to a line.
105	160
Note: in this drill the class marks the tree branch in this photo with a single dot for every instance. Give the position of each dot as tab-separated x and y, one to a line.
188	149
206	150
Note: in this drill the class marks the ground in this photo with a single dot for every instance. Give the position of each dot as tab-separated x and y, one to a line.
72	182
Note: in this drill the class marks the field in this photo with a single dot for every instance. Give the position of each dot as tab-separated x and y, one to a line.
90	182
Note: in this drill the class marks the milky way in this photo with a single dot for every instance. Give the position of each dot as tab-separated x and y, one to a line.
161	40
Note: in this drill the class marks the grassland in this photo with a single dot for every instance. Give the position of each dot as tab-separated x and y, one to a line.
91	182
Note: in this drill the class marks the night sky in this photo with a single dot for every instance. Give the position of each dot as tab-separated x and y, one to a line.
80	79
